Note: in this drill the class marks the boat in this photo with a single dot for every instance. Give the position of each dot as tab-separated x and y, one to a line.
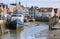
18	18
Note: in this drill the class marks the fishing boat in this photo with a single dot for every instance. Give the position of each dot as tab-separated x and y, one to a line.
18	18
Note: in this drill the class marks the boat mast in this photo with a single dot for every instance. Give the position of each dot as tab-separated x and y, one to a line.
26	7
16	4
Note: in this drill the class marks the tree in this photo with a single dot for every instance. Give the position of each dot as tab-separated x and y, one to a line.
0	10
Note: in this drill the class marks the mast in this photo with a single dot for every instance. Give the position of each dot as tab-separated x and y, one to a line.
16	4
26	7
33	9
33	12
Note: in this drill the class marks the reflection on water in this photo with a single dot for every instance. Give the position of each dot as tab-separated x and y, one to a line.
9	35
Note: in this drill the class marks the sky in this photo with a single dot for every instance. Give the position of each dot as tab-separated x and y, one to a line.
39	3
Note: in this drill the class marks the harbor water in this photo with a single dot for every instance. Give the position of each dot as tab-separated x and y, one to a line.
32	31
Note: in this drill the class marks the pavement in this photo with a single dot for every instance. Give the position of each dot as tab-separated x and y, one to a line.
55	33
56	27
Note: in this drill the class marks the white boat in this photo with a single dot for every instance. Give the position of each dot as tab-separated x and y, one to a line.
19	18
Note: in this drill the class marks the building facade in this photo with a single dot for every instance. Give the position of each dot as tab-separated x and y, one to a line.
45	12
4	8
33	11
13	7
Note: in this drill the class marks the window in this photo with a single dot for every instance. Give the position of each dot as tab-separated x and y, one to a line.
19	15
16	15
